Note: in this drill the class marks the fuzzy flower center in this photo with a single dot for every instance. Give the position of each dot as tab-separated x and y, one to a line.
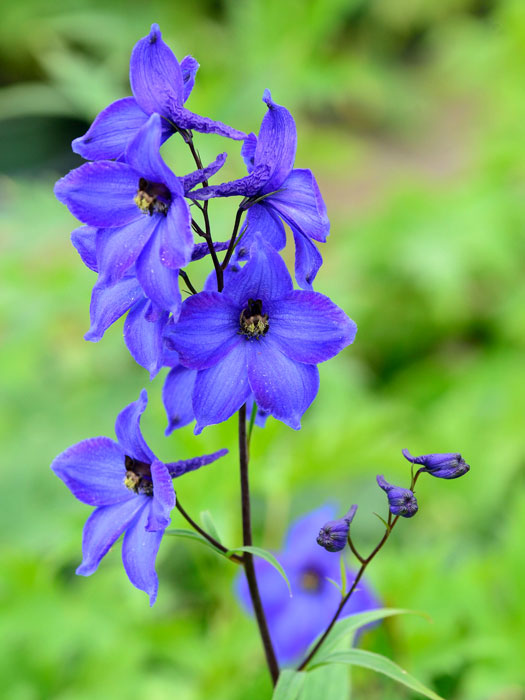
252	321
310	581
152	197
138	476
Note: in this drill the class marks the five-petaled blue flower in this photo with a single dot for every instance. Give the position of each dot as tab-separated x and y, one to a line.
284	193
401	501
260	337
132	491
295	621
160	84
448	465
333	535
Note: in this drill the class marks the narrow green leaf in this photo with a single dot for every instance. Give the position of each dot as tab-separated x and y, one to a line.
382	520
343	575
348	625
327	682
190	535
268	556
209	525
380	664
289	685
334	583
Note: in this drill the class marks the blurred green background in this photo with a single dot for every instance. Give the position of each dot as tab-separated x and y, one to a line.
411	114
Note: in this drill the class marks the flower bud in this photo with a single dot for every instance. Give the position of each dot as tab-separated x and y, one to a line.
333	535
401	501
449	465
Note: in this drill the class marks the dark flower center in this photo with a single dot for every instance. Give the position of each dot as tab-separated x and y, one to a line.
311	581
152	197
252	320
138	476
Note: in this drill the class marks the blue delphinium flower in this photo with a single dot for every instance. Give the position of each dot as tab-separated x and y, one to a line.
141	212
285	193
132	491
159	84
448	465
258	337
333	535
401	501
295	621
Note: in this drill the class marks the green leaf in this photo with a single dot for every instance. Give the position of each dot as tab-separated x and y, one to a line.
327	682
334	583
209	525
268	556
190	535
343	575
289	685
348	625
380	664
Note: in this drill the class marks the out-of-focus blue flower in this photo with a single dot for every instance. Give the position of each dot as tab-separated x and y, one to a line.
289	194
334	534
142	217
258	337
132	491
448	465
160	84
401	501
294	622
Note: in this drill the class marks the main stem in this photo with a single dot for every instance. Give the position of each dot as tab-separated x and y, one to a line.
249	568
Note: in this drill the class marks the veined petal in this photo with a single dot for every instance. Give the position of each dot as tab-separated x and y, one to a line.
281	386
93	470
101	193
110	303
301	205
144	339
176	237
308	260
117	249
195	178
184	466
84	239
189	68
276	144
245	187
155	74
163	500
206	331
185	119
160	283
221	390
263	277
103	528
263	220
143	154
112	130
308	327
139	551
248	151
176	396
129	435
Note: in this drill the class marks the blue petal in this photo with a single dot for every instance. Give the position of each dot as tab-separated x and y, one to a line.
248	151
263	277
185	119
184	466
195	178
112	130
110	303
84	239
93	470
261	219
189	68
246	186
103	528
206	331
118	248
308	260
301	205
176	237
276	144
308	327
221	390
155	75
201	250
163	500
139	551
129	435
101	193
176	395
281	386
160	283
144	338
